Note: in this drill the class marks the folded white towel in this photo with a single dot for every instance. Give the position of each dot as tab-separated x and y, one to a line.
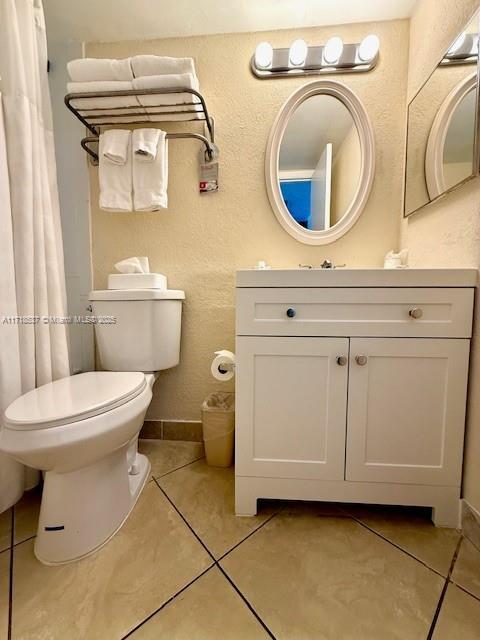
150	179
116	145
169	81
89	69
159	65
144	144
99	103
115	179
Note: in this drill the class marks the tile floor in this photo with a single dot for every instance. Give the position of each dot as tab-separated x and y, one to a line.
185	568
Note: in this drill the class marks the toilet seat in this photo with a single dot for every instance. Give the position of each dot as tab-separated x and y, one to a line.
74	398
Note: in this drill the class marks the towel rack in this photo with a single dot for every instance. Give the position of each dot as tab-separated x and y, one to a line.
210	150
96	117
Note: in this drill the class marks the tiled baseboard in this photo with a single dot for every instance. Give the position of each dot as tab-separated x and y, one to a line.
172	430
471	523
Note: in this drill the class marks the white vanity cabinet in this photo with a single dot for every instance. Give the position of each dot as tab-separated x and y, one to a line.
351	386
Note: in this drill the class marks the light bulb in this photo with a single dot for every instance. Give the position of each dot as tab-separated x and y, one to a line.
333	50
298	52
263	55
458	44
368	48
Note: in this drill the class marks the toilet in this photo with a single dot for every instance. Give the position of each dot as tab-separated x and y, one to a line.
82	431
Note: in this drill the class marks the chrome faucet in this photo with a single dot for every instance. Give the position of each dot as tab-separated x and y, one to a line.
326	264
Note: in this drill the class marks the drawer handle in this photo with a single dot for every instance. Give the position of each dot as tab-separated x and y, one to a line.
415	313
291	313
361	360
342	361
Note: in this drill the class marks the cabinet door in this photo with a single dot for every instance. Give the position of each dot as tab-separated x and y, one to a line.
406	410
291	407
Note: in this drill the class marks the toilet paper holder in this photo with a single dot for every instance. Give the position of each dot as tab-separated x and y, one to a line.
225	367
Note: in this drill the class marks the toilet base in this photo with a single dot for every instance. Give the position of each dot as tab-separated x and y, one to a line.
83	509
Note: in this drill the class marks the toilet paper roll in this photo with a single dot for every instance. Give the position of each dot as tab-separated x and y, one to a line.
223	365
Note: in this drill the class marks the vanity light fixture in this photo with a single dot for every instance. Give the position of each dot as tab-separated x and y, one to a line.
263	55
463	51
457	44
333	50
300	59
298	52
368	48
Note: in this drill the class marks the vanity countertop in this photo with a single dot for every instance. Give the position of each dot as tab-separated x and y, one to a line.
342	277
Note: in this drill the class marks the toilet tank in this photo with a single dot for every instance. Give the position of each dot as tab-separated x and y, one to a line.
138	329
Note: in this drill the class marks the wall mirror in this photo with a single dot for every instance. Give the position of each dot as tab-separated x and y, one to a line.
319	163
443	124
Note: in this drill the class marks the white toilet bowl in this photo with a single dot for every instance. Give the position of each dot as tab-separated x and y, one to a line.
82	431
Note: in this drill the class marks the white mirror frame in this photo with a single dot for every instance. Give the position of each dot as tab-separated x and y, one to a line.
367	169
438	133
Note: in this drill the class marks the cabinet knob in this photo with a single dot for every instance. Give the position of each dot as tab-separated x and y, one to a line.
291	313
342	361
415	313
361	360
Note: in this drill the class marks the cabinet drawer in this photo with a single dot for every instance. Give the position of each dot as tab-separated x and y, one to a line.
381	312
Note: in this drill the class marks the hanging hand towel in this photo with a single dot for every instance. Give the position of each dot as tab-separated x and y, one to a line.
144	144
115	179
160	65
90	69
150	179
116	144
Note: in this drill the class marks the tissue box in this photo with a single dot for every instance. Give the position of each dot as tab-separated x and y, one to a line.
137	281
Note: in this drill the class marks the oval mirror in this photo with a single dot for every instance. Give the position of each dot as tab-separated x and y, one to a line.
449	159
320	162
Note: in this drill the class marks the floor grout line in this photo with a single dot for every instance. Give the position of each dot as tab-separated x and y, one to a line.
175	595
444	591
186	522
10	586
201	541
394	544
187	464
216	562
16	544
247	603
465	590
260	526
454	582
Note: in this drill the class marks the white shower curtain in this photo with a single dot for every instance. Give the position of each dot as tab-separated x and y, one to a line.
32	280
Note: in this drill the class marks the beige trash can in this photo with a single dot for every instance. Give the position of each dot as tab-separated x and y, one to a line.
218	417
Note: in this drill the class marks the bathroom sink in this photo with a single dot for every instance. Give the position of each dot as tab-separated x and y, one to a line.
342	277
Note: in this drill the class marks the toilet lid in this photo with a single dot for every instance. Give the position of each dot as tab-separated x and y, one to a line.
74	398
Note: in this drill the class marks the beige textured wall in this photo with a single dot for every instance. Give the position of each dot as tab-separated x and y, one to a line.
420	120
447	233
201	240
433	27
345	177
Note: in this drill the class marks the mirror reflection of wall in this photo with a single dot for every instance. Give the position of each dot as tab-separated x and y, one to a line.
457	156
442	124
319	162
